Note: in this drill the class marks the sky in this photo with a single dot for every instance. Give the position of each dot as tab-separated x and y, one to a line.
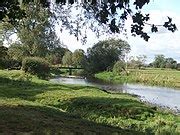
163	42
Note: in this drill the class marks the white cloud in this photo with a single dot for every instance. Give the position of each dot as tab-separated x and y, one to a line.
163	42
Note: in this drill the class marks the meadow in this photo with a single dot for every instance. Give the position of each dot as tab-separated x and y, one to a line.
149	76
33	106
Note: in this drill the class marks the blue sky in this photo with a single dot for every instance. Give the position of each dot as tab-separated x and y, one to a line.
163	42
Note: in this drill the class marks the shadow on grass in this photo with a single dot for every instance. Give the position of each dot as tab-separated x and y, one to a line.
46	120
27	90
19	88
107	107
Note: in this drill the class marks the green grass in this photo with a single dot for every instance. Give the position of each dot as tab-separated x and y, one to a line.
161	77
30	105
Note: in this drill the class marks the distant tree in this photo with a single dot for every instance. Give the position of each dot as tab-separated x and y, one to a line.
78	57
55	55
67	59
159	61
178	66
105	53
171	63
141	60
137	61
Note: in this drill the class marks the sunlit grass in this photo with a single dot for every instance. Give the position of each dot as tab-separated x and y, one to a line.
161	77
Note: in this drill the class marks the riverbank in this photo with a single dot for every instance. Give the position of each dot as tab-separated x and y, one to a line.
167	78
31	105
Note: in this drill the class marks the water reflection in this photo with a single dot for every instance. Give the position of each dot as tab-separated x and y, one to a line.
162	96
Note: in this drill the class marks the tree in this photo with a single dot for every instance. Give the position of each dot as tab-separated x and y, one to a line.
78	57
67	59
171	63
109	14
17	51
55	55
11	9
162	62
159	61
137	61
141	59
35	32
105	53
3	52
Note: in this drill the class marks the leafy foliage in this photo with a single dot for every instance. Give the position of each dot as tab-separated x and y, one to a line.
161	62
3	51
119	67
36	32
67	59
18	51
11	10
110	15
36	66
78	57
10	64
56	54
104	54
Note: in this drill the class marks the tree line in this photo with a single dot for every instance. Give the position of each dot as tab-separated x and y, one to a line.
160	61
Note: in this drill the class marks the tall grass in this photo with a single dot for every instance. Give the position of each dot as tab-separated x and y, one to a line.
168	78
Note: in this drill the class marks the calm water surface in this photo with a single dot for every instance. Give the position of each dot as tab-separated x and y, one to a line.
161	96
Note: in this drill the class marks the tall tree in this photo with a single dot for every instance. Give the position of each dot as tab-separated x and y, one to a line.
78	57
67	59
105	53
55	55
36	32
159	61
171	63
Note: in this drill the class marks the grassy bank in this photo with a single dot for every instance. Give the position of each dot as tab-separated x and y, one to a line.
168	78
30	105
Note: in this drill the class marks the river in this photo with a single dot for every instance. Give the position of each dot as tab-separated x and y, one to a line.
160	96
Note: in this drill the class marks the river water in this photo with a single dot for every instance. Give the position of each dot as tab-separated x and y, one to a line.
160	96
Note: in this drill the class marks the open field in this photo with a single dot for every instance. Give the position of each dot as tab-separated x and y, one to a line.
30	105
161	77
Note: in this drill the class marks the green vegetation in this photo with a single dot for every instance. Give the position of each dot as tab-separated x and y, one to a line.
30	105
161	62
78	58
36	66
67	59
119	67
104	54
162	77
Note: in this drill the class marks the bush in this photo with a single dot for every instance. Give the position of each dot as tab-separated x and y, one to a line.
119	67
10	64
2	64
36	66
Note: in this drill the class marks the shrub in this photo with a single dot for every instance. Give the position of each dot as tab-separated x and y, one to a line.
10	64
36	66
119	67
2	64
